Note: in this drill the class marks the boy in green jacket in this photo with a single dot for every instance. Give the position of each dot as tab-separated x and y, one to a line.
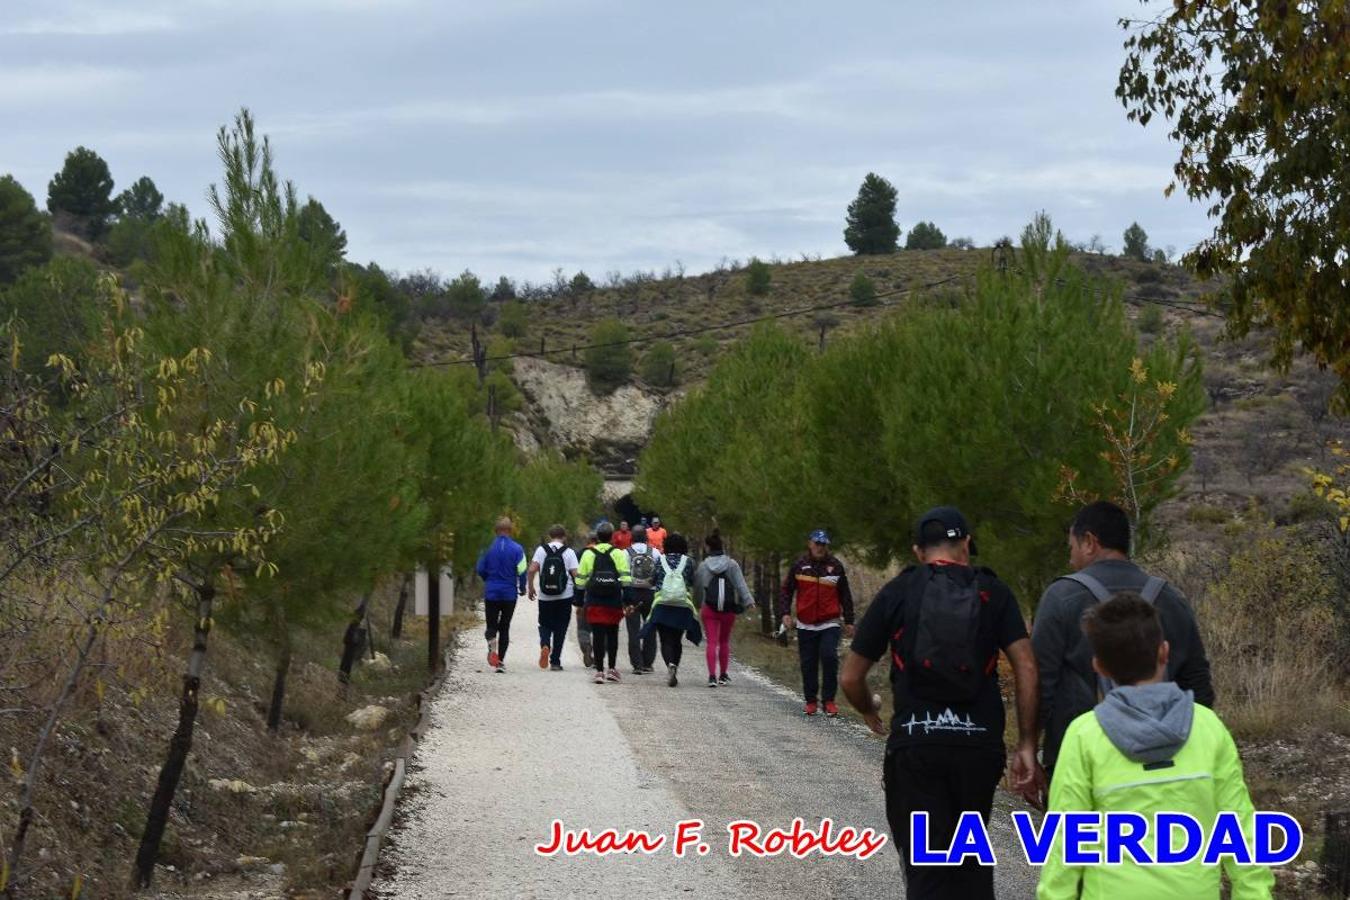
1148	747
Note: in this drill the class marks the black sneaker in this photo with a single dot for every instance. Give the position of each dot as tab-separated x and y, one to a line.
673	679
501	668
712	682
555	667
723	680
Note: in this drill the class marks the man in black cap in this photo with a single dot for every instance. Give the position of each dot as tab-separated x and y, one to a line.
819	584
943	622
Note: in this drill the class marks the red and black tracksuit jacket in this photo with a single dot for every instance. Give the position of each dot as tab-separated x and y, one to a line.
821	588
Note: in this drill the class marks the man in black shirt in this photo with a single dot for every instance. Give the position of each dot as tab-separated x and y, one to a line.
943	623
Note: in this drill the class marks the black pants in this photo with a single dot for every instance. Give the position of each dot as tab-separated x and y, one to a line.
499	613
819	652
672	644
641	653
943	781
554	617
605	642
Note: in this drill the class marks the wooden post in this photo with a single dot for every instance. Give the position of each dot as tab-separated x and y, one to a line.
1335	860
433	617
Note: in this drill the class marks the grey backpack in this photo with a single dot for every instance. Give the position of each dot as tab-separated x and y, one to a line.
1149	592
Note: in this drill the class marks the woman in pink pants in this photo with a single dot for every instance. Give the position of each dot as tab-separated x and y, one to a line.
720	586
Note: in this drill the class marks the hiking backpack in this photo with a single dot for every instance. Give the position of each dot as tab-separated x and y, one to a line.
1149	592
603	583
721	593
553	573
642	566
673	587
941	632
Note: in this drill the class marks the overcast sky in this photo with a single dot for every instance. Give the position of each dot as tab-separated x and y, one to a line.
514	136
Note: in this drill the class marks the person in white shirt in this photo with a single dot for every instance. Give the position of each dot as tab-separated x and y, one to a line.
551	573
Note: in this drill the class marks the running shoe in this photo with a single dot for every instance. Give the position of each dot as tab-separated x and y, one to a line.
712	682
587	658
612	675
811	708
493	659
556	667
501	668
599	677
672	679
723	680
544	651
831	709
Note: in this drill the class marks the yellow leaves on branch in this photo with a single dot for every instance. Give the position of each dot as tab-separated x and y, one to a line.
1334	486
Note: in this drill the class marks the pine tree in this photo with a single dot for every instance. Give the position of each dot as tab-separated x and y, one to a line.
25	233
81	193
871	218
609	361
141	201
925	236
320	229
1136	243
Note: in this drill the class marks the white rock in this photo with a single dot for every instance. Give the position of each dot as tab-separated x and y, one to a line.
368	718
380	663
233	785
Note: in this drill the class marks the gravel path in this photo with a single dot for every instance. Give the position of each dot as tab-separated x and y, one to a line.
509	753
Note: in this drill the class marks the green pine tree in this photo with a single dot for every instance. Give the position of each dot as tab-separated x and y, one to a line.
25	233
871	224
81	194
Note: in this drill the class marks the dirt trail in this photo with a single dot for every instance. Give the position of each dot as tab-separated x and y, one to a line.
509	753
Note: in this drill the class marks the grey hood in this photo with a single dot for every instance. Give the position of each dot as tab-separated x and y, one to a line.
1147	722
717	564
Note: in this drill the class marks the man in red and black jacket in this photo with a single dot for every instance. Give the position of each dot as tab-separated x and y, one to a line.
824	602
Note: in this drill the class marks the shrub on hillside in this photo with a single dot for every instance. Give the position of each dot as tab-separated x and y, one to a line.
25	233
659	367
925	236
609	361
758	277
513	321
863	290
1150	319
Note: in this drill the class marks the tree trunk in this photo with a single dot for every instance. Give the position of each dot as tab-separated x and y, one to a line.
279	684
397	631
30	781
352	641
434	617
179	745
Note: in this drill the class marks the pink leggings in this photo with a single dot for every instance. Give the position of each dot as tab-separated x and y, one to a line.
717	637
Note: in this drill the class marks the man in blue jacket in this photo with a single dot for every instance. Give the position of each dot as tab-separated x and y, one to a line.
502	568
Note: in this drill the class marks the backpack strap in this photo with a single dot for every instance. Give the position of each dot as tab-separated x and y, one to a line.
1095	587
1152	588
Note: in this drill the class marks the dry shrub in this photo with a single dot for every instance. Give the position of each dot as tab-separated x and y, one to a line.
1272	631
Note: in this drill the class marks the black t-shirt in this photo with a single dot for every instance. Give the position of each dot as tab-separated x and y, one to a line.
979	722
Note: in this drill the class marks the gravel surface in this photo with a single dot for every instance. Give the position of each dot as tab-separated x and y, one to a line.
509	753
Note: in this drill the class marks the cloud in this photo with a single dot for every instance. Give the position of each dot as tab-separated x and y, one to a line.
45	86
92	21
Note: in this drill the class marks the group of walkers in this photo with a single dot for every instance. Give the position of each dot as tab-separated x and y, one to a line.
1113	676
642	578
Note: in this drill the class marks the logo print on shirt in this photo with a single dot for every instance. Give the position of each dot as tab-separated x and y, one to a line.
946	721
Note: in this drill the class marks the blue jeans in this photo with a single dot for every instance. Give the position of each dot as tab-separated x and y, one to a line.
819	651
554	617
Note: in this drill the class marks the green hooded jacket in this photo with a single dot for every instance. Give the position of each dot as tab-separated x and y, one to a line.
1116	758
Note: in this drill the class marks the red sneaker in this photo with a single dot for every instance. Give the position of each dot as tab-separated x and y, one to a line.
831	709
493	659
544	651
811	708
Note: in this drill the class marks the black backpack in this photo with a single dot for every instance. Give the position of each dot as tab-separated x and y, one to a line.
941	632
603	582
553	573
721	594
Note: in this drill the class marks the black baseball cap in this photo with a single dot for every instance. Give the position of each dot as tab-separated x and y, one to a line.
942	523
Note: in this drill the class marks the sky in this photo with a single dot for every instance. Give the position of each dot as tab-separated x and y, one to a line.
518	136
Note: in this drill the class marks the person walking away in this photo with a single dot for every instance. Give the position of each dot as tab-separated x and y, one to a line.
1099	553
656	535
642	561
674	616
942	624
820	585
554	567
1148	747
623	537
578	603
720	588
502	568
603	573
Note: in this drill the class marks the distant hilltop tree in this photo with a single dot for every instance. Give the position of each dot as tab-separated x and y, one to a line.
1136	243
581	284
141	201
25	233
871	224
322	232
80	195
758	277
925	236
